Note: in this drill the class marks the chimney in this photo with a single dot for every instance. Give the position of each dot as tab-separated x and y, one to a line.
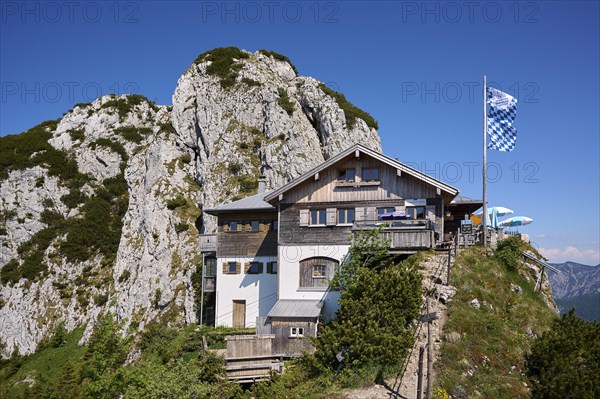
262	184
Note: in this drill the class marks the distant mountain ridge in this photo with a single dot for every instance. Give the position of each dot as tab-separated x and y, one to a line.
577	285
575	279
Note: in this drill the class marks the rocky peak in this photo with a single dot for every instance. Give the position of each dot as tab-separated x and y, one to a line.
100	211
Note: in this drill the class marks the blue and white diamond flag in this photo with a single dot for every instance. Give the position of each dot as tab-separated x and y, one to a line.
500	117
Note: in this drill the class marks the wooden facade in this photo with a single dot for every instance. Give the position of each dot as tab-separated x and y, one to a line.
286	344
290	230
245	242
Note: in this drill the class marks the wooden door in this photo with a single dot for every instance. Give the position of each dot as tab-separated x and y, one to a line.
239	314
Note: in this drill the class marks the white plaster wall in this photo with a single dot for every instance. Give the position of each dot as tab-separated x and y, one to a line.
289	274
258	290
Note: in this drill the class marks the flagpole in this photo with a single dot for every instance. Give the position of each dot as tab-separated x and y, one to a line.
484	163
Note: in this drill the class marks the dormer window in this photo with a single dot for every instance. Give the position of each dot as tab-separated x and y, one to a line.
346	175
370	174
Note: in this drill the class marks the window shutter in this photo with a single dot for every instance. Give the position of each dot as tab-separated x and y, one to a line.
225	268
360	214
371	213
269	267
304	217
330	216
260	268
238	267
246	267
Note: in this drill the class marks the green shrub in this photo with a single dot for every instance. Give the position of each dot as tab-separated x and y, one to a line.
181	227
510	252
284	101
379	299
132	133
251	82
234	168
76	134
100	299
59	335
279	57
224	64
186	158
124	276
73	199
111	144
565	361
176	202
157	298
126	104
350	110
51	218
9	274
247	183
167	128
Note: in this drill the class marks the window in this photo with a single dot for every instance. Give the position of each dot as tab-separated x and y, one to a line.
296	332
274	225
370	174
272	267
415	212
319	271
254	225
316	272
383	211
233	226
254	268
231	268
210	266
318	217
345	216
346	175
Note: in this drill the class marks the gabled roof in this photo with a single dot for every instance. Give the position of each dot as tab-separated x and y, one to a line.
255	203
374	154
308	308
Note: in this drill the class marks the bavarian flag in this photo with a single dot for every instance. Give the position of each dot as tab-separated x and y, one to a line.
500	117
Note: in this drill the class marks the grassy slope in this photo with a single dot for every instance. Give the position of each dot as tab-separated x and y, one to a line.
44	365
487	361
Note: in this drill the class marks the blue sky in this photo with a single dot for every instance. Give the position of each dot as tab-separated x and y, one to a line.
416	66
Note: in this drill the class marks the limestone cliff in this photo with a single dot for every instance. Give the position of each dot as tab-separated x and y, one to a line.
101	210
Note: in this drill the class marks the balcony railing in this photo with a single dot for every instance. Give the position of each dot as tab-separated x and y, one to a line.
208	242
403	234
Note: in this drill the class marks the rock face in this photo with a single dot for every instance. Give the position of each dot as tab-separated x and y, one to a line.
152	168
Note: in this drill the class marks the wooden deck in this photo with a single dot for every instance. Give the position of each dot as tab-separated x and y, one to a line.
403	235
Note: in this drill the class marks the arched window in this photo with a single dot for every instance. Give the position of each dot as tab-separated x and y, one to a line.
317	272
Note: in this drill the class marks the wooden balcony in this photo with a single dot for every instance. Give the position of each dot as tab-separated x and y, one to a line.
208	242
403	235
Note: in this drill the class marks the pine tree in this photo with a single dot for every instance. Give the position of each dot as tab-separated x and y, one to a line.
379	299
565	361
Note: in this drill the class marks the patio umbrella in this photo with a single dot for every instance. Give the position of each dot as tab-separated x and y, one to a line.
515	221
500	211
495	218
